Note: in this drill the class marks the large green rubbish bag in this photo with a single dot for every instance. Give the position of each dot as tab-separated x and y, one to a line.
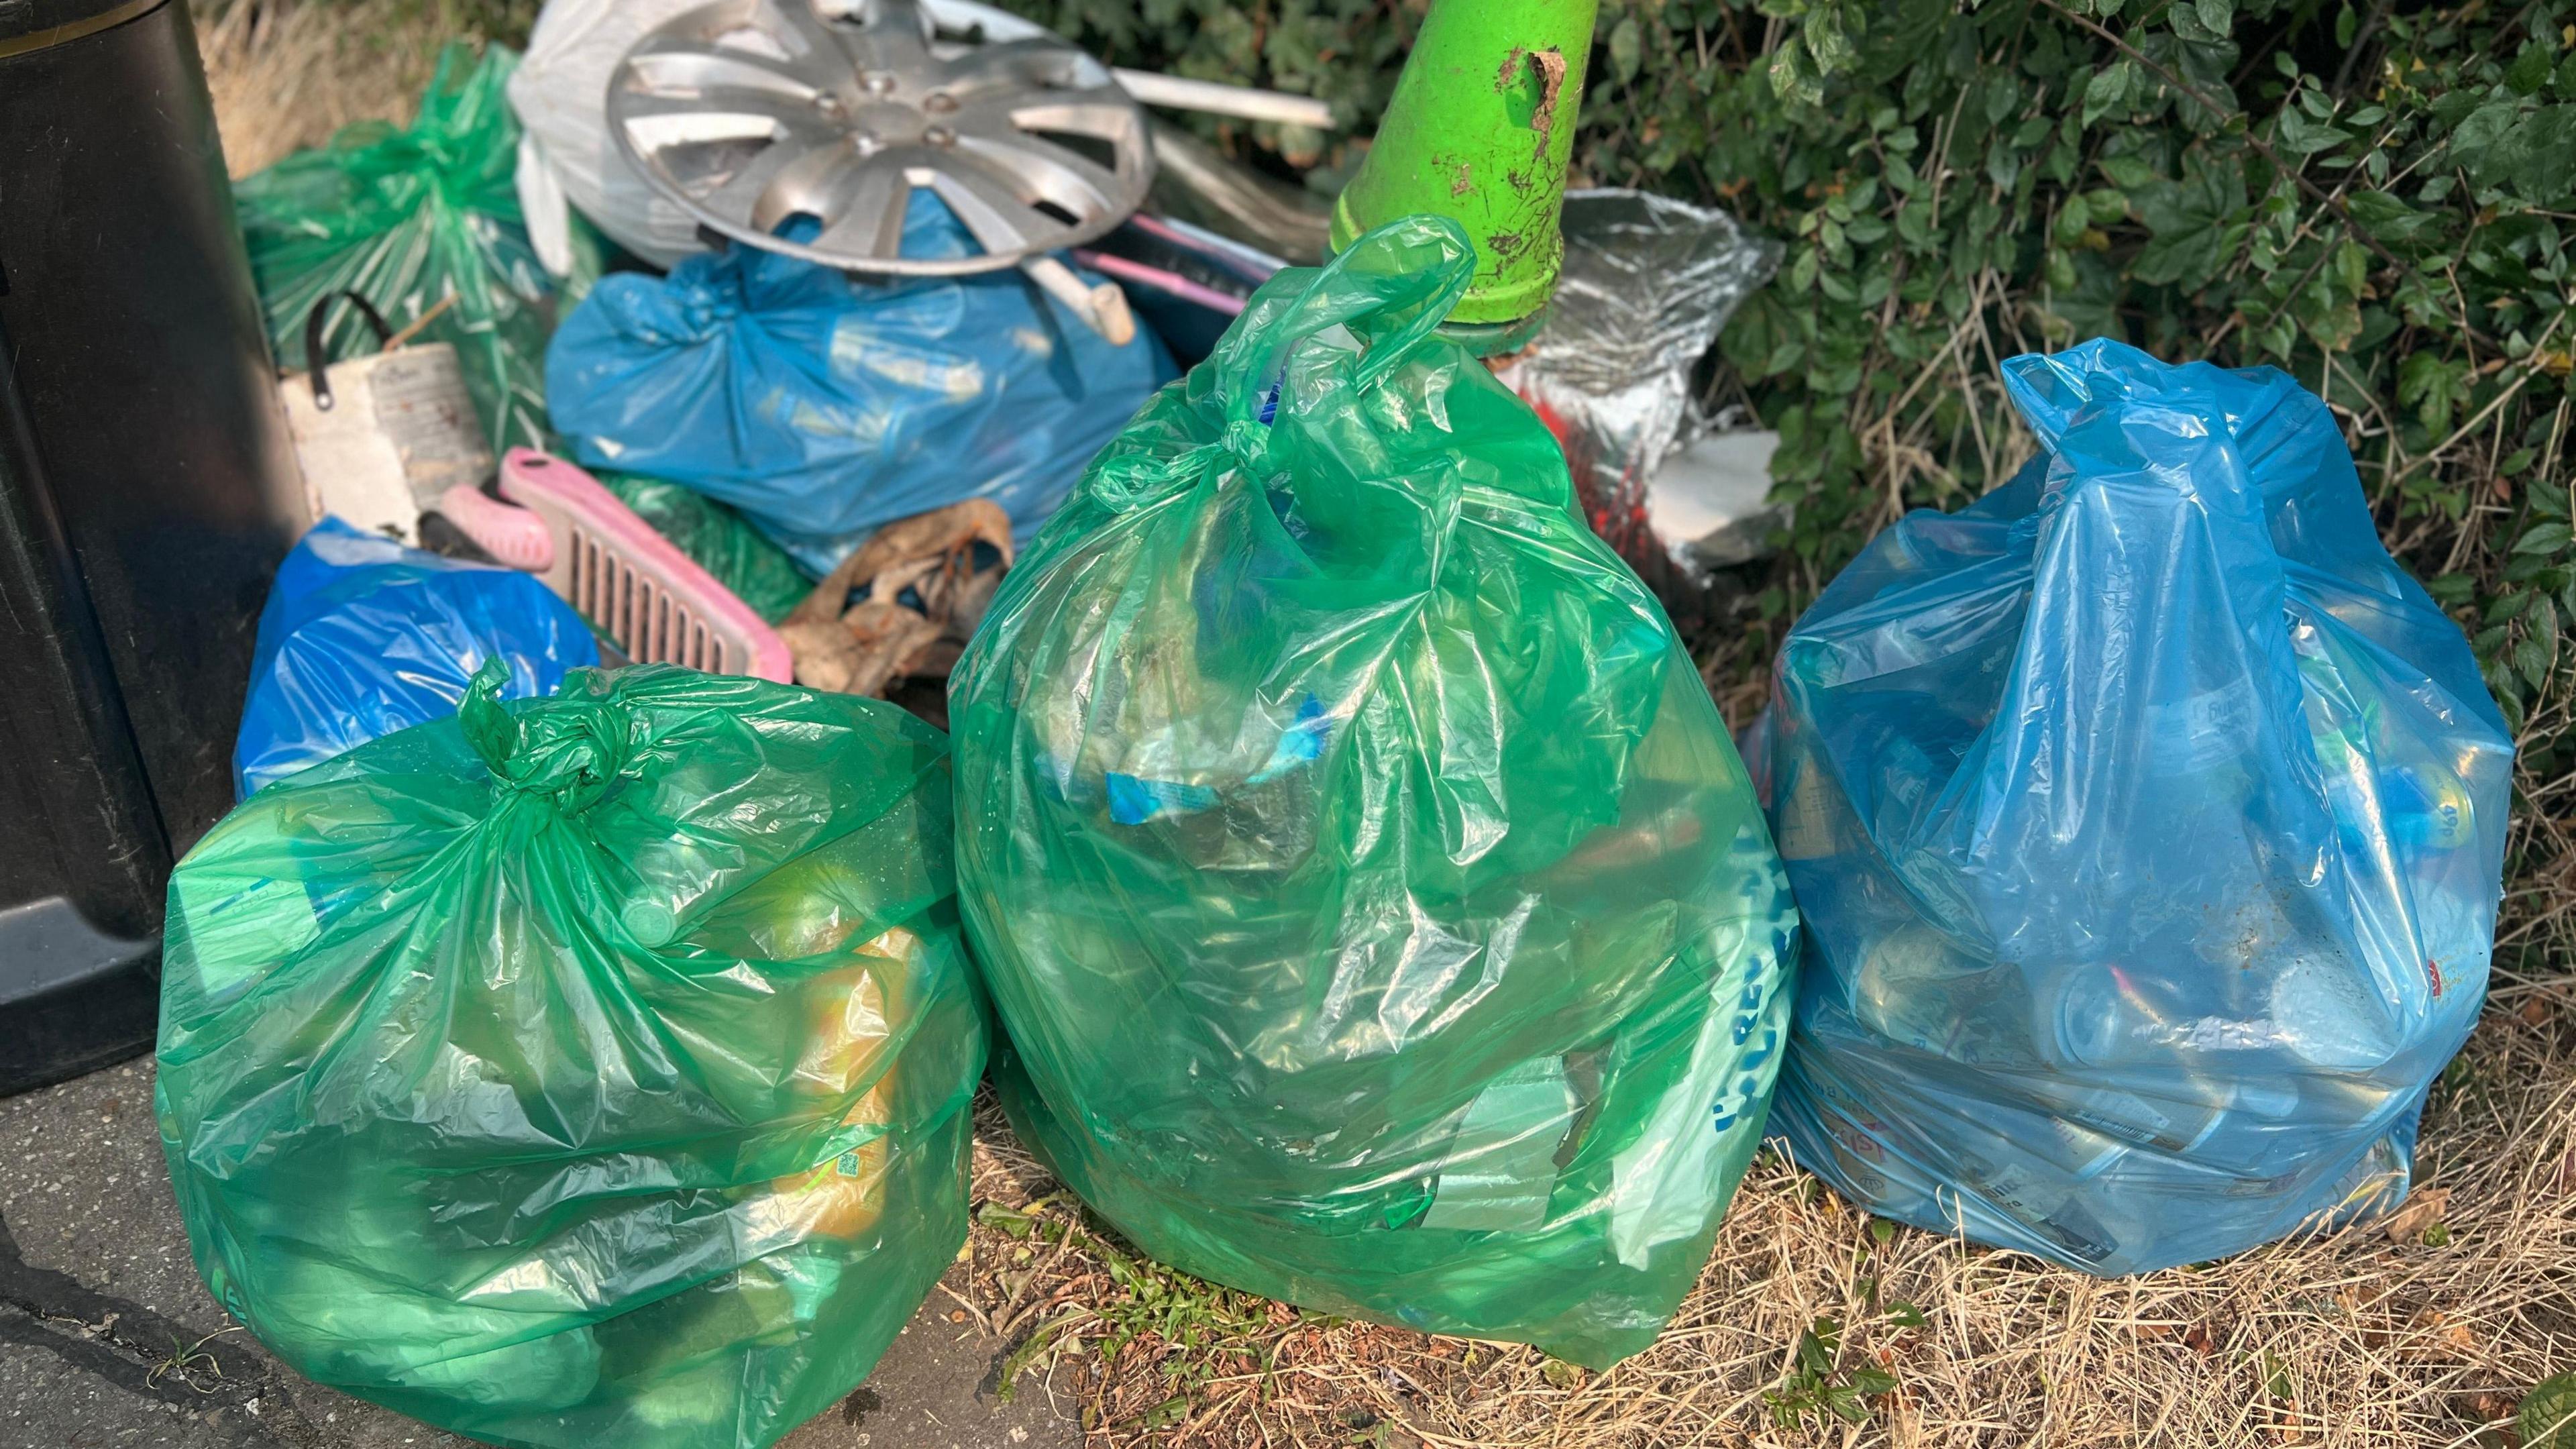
405	218
582	1071
1379	915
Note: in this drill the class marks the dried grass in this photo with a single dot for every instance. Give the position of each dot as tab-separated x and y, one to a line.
286	74
2359	1338
2351	1339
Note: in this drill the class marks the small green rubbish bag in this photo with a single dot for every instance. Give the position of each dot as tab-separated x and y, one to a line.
1379	915
587	1071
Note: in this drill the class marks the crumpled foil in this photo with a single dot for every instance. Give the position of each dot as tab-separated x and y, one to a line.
1649	281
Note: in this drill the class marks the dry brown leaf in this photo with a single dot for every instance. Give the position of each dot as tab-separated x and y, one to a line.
865	648
929	572
934	536
2423	1209
2447	1331
826	655
967	601
890	640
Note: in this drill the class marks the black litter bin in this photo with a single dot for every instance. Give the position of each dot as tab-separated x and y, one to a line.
147	492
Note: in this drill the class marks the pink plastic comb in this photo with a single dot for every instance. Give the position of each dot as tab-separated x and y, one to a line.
658	605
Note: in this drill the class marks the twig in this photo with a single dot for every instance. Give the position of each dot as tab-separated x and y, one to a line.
983	1320
2531	368
2261	146
417	323
2360	42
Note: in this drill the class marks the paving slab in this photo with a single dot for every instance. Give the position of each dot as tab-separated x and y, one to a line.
108	1337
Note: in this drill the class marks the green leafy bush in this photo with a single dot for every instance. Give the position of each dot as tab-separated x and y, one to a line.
2380	202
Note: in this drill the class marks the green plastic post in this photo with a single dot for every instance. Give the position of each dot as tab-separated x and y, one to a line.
1480	129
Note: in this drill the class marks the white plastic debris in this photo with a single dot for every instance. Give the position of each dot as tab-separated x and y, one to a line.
1712	501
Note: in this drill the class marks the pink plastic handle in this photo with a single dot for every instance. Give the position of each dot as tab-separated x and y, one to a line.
511	534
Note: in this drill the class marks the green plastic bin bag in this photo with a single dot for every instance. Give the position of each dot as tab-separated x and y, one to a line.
404	218
717	539
581	1071
1379	914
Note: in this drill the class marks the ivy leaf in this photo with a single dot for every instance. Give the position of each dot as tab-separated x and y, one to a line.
2106	89
2388	219
2531	660
2476	137
2003	94
2509	701
2536	157
1625	49
1761	338
2187	23
2303	137
2433	386
1790	78
2003	164
2128	172
2191	240
1825	39
2328	315
2529	71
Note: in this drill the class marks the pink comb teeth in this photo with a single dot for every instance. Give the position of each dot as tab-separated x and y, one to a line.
630	582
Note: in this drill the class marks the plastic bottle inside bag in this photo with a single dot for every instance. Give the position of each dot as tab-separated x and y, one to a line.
2037	1179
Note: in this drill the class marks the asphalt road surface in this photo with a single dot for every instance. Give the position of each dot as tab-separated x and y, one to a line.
107	1338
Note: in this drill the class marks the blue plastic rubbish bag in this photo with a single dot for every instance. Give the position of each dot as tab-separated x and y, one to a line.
2147	821
824	407
362	637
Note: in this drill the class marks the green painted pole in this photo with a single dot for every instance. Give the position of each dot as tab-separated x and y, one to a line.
1480	129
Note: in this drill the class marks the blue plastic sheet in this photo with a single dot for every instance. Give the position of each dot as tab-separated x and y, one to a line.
824	407
362	637
2147	821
